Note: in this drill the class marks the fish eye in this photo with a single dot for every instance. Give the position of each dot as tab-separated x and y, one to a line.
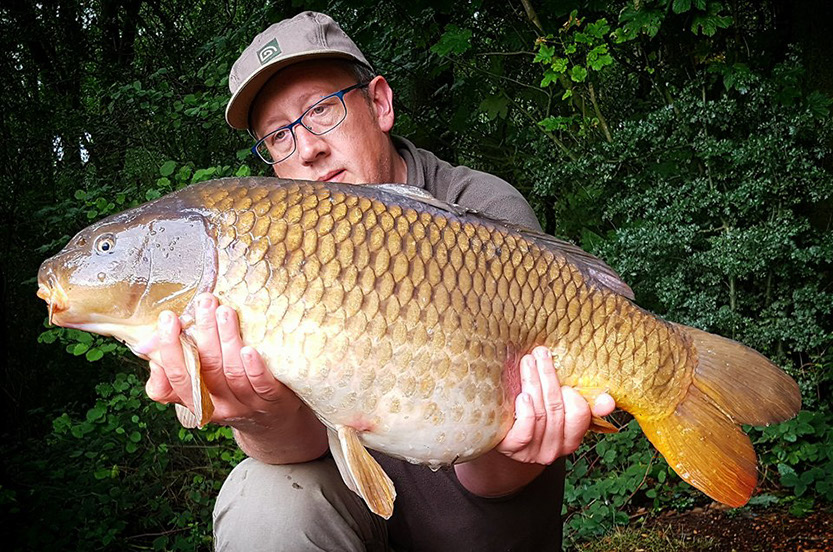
105	243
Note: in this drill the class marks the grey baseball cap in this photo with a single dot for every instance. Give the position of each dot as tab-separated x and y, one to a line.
308	35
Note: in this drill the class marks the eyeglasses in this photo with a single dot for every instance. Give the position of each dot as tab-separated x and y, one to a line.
320	118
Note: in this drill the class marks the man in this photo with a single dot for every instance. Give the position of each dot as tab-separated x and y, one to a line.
318	112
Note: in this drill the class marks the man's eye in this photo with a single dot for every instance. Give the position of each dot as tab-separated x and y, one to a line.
280	135
320	109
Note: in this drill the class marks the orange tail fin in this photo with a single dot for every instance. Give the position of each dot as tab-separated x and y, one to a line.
702	439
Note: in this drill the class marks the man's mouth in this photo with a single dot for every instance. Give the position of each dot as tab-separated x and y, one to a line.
332	176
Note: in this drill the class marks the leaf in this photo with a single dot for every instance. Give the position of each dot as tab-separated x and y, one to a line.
96	413
495	106
94	354
79	348
598	29
453	41
550	76
556	123
559	65
545	54
818	104
167	168
578	73
681	6
599	57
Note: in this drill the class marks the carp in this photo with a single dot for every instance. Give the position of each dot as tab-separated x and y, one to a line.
401	321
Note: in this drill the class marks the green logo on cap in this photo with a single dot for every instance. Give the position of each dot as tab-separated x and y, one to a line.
269	52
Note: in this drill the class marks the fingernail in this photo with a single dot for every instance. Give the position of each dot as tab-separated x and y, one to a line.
205	302
166	319
222	316
541	353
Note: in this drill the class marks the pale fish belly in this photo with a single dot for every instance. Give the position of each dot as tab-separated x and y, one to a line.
419	404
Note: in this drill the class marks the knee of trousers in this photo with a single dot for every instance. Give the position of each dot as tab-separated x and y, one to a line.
292	507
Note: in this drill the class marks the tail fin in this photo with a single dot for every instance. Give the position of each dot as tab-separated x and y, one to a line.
702	439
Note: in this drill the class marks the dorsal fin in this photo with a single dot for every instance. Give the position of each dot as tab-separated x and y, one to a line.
418	194
594	269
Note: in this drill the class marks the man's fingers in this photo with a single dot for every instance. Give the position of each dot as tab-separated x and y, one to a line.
170	352
531	385
576	419
158	388
207	338
228	328
603	406
260	378
552	439
522	431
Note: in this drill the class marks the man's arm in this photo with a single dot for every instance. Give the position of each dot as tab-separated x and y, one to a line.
270	422
550	422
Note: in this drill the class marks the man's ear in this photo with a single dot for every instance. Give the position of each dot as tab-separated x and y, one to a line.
381	97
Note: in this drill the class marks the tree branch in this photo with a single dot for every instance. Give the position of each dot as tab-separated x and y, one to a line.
532	16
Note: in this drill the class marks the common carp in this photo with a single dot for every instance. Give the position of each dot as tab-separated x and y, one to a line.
401	320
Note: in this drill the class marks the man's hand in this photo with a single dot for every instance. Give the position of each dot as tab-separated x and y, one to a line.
270	421
242	389
550	420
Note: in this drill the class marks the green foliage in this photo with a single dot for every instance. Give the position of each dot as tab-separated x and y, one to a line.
135	480
673	138
77	343
605	475
454	41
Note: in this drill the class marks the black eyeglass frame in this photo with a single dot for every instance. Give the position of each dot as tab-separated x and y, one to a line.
299	121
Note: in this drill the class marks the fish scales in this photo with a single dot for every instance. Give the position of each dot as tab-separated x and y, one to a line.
401	321
366	307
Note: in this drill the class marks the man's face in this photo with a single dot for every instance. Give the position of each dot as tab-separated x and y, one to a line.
356	151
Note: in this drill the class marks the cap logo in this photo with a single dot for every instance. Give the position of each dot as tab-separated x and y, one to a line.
269	52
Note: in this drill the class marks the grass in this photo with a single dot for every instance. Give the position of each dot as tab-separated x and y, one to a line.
642	539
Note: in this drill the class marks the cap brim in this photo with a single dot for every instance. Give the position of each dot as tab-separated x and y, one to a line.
237	110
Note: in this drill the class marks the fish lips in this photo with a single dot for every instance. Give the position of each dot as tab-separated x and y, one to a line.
51	291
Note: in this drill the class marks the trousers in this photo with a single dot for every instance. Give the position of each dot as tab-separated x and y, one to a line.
293	507
307	507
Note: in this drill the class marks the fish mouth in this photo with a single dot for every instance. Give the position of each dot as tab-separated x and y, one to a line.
54	295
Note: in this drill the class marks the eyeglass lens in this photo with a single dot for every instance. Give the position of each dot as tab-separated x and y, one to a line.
320	118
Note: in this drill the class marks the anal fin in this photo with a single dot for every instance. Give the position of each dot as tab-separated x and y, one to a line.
360	471
600	425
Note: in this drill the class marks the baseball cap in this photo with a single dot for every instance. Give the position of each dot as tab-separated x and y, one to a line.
308	35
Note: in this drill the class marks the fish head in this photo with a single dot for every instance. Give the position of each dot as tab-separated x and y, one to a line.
115	277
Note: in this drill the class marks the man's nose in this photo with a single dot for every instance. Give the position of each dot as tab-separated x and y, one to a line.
309	145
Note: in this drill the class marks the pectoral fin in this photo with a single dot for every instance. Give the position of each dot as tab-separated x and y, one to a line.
360	471
203	406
